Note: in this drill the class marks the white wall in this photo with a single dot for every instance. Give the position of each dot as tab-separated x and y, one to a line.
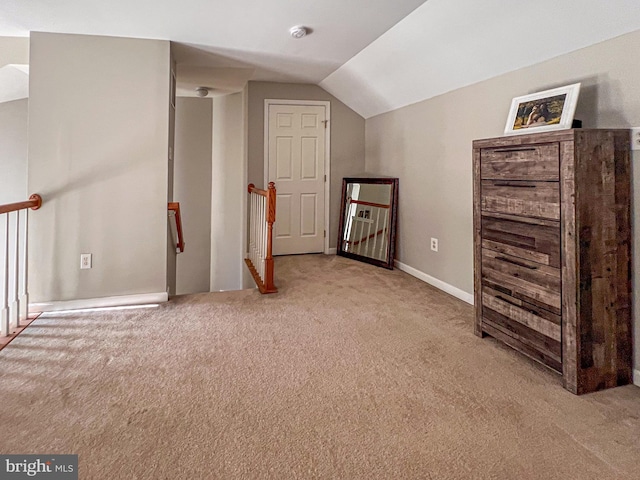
428	146
13	174
192	188
13	151
13	128
172	256
229	192
14	80
98	136
14	50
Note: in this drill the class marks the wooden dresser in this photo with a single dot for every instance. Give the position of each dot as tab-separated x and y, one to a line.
552	251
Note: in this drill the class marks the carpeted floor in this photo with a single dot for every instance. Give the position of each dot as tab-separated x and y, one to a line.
350	372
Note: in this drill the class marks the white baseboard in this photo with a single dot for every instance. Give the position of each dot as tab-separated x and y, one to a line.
119	301
445	287
636	377
332	251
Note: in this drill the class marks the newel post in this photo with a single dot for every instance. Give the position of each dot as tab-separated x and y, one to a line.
271	218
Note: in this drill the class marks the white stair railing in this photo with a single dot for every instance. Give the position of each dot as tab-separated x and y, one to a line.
367	226
262	215
14	284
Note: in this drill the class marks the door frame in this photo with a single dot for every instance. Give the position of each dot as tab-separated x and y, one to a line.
327	152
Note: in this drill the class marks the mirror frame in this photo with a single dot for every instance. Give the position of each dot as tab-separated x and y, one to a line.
388	263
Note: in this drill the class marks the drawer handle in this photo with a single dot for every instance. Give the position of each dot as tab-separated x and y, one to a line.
501	289
510	302
523	239
510	184
507	150
515	262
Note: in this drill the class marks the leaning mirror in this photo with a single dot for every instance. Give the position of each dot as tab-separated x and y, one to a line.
368	220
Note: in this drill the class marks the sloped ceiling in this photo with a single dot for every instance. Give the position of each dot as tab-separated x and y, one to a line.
374	55
447	44
14	82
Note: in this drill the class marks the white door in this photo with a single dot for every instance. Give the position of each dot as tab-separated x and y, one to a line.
296	154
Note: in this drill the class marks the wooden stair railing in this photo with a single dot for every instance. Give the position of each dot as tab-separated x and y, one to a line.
175	208
262	215
34	203
14	287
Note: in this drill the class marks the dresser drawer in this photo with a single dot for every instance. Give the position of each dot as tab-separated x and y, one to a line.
522	279
528	238
536	331
530	162
531	199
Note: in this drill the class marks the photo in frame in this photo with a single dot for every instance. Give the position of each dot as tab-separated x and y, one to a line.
548	110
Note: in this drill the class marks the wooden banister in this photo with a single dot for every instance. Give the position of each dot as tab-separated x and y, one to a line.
252	188
34	203
175	207
370	204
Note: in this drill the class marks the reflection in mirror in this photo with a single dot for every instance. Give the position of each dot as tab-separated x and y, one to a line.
368	220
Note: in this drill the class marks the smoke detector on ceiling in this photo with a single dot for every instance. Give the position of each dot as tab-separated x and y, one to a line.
202	91
298	31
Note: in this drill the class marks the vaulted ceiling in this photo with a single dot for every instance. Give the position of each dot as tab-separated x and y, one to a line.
374	55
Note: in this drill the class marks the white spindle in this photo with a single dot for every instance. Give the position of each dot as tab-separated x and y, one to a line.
4	314
366	247
253	228
383	244
360	235
256	249
253	233
265	226
256	238
375	238
356	227
263	234
348	222
258	232
24	297
15	305
254	213
256	219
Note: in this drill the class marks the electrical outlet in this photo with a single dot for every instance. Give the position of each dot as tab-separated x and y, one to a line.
85	260
434	244
635	138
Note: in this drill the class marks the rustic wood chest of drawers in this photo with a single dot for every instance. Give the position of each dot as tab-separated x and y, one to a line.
552	251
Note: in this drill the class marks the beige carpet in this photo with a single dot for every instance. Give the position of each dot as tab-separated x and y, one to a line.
350	372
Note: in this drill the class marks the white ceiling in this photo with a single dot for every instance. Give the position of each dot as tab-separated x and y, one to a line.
429	47
234	33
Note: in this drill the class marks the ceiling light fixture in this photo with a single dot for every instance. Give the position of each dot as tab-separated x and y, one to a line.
298	31
202	91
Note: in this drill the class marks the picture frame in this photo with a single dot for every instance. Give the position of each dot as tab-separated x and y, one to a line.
542	111
364	214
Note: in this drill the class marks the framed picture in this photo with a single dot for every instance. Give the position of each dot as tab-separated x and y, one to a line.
364	213
549	110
